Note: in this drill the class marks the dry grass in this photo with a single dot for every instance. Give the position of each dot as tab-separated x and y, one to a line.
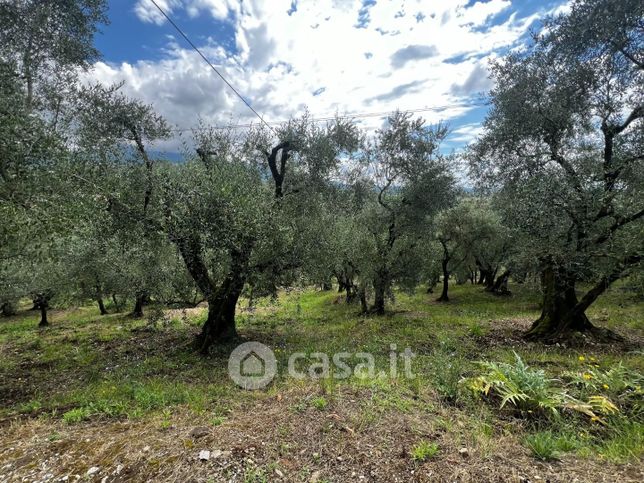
267	440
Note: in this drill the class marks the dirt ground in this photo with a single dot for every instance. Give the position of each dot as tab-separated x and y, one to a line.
267	440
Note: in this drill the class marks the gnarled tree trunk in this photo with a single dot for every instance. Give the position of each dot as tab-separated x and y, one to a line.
563	315
8	309
222	302
362	295
99	300
559	317
101	306
379	290
444	293
137	311
42	302
500	286
220	323
445	265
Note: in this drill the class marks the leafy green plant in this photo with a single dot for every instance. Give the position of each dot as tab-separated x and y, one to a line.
547	445
447	372
476	330
320	403
542	445
532	392
424	451
523	387
217	420
31	406
76	415
620	384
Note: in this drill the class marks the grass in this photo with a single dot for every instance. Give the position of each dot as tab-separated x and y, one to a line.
320	403
543	445
424	451
87	368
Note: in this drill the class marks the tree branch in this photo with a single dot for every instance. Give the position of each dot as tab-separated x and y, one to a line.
606	282
619	222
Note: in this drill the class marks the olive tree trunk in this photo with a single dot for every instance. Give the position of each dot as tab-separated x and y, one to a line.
559	317
444	296
220	323
379	290
137	311
42	302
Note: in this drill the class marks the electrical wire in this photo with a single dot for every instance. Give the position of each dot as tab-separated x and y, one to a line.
196	49
277	123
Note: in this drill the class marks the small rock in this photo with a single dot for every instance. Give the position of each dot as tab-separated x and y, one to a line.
464	452
204	455
93	470
199	432
279	473
146	449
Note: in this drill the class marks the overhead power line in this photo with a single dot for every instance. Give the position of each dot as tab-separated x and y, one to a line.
363	115
277	123
196	49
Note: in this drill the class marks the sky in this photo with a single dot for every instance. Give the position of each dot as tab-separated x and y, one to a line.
327	56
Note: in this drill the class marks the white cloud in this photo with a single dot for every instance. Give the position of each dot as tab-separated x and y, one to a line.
148	12
318	57
477	81
466	133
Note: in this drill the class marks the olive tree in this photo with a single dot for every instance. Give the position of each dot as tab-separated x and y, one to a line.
409	182
470	236
42	47
48	42
563	143
241	213
113	136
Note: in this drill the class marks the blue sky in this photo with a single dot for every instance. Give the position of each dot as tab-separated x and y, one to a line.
327	56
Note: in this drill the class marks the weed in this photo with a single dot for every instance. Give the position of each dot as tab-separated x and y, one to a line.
76	415
542	445
447	371
424	451
217	420
320	403
476	330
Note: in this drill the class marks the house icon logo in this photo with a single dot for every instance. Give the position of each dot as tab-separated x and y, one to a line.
252	365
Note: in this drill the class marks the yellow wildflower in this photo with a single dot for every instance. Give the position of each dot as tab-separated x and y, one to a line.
592	358
582	358
587	376
605	386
